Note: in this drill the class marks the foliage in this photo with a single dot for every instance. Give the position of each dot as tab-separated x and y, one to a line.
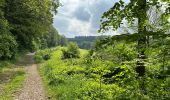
54	39
112	19
108	72
30	20
8	46
4	27
117	52
42	55
142	20
72	51
35	46
70	79
62	40
84	42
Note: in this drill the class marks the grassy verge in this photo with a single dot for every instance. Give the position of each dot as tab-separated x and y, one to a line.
11	77
11	87
5	65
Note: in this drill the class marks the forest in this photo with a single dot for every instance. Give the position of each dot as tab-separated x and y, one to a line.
27	25
37	62
84	42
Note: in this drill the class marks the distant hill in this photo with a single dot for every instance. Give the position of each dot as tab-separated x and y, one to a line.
84	42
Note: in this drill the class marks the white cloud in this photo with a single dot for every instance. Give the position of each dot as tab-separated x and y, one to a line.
81	17
79	27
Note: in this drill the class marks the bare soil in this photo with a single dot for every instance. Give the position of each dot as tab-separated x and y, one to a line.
33	87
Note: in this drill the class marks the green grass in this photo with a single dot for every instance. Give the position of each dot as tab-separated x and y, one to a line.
14	77
5	65
10	88
83	53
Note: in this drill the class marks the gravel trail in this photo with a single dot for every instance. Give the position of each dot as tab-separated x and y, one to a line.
33	87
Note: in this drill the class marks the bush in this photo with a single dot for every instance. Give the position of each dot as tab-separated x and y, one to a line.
8	46
38	58
42	55
117	52
34	46
72	51
72	79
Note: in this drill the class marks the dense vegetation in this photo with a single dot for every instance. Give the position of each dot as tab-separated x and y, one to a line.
130	66
27	25
107	74
72	51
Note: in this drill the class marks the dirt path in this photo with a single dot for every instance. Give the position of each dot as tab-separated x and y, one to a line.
33	88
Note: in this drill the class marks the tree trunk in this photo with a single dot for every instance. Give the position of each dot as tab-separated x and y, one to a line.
140	68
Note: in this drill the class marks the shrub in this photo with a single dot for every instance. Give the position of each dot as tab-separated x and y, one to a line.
34	46
117	52
72	51
38	58
42	55
72	79
8	46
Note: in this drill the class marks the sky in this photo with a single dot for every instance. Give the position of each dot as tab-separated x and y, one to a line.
81	17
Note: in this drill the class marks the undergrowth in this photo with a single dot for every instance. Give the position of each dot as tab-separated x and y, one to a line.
89	79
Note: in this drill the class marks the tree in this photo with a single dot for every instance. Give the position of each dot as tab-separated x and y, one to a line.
30	20
134	10
8	45
53	38
62	40
4	26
